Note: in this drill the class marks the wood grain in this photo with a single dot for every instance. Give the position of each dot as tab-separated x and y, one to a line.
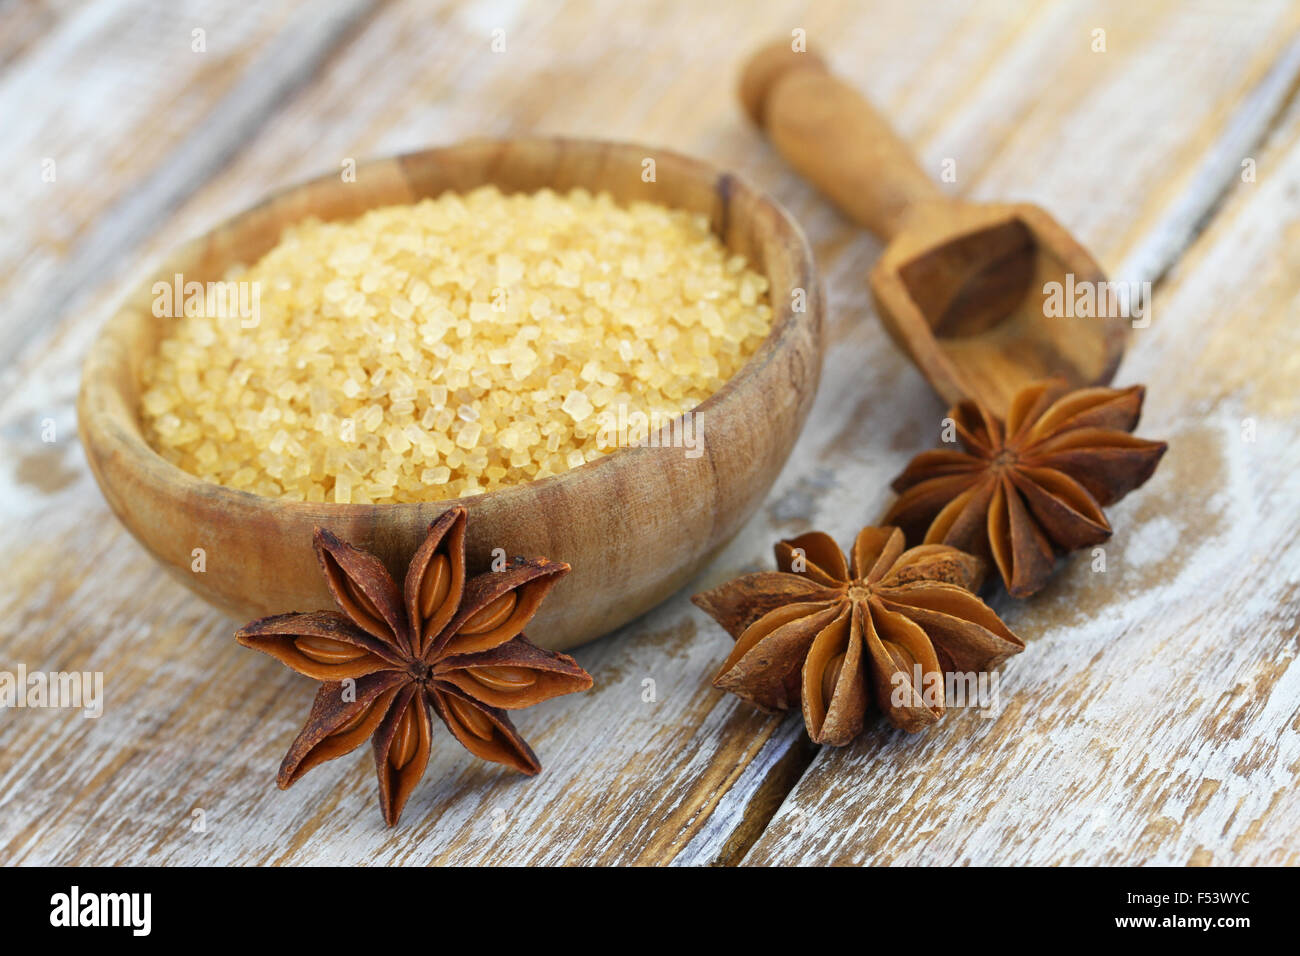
1185	643
119	148
1154	717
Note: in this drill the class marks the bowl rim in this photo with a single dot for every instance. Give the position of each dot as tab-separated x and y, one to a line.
93	416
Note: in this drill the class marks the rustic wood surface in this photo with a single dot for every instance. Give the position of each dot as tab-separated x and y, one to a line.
1153	716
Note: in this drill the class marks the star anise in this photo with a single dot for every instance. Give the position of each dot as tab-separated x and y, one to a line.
833	635
1031	486
449	645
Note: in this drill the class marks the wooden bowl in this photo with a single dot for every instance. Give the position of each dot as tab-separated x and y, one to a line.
635	524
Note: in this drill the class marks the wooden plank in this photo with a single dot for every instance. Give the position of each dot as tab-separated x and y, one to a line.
24	22
1152	719
142	117
838	447
193	722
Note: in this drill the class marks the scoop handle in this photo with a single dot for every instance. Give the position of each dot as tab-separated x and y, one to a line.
834	137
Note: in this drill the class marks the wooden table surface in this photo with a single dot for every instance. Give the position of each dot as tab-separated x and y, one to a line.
1153	716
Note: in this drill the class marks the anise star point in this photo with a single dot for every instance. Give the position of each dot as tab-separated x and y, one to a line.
446	644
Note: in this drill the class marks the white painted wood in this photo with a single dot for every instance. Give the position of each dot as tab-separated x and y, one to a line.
1153	717
1119	146
107	98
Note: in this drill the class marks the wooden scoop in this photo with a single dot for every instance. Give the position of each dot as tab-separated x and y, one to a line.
960	285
